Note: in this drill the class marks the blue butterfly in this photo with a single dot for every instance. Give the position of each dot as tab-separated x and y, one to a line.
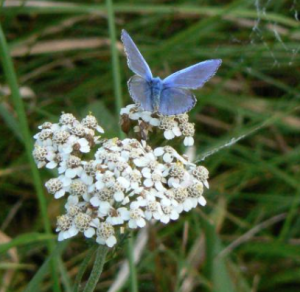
170	96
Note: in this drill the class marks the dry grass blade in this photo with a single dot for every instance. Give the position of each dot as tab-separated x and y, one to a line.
17	3
8	275
11	214
248	235
11	170
195	258
53	46
25	91
123	274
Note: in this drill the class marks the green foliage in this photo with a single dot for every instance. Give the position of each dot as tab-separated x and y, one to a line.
246	238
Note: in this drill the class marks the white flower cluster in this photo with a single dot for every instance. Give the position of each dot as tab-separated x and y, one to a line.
172	126
125	184
60	144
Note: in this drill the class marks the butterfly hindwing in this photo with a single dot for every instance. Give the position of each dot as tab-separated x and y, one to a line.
175	101
135	60
194	76
140	92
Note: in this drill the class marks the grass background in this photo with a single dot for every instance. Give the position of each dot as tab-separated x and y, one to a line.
247	238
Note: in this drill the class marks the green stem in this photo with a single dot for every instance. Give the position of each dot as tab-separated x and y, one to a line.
115	59
27	139
119	105
210	240
83	267
97	268
130	256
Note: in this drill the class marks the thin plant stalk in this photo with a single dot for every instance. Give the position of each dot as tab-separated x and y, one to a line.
119	105
114	59
27	139
83	267
132	268
97	268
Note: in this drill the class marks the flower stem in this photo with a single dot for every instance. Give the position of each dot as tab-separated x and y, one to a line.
114	58
97	268
11	78
83	267
132	269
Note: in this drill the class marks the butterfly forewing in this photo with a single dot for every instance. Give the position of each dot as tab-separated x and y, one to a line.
135	60
194	76
175	101
140	92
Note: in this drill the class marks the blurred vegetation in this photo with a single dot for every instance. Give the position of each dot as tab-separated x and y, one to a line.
247	239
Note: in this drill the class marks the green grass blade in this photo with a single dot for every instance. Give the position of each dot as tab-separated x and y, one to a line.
292	213
130	255
115	58
43	270
66	282
25	239
27	137
11	122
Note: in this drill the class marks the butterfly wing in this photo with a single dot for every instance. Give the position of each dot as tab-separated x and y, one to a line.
194	76
135	60
175	101
140	91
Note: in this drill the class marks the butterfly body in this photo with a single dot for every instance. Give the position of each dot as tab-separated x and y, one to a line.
172	95
156	86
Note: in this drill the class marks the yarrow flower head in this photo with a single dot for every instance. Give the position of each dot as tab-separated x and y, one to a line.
125	183
144	122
